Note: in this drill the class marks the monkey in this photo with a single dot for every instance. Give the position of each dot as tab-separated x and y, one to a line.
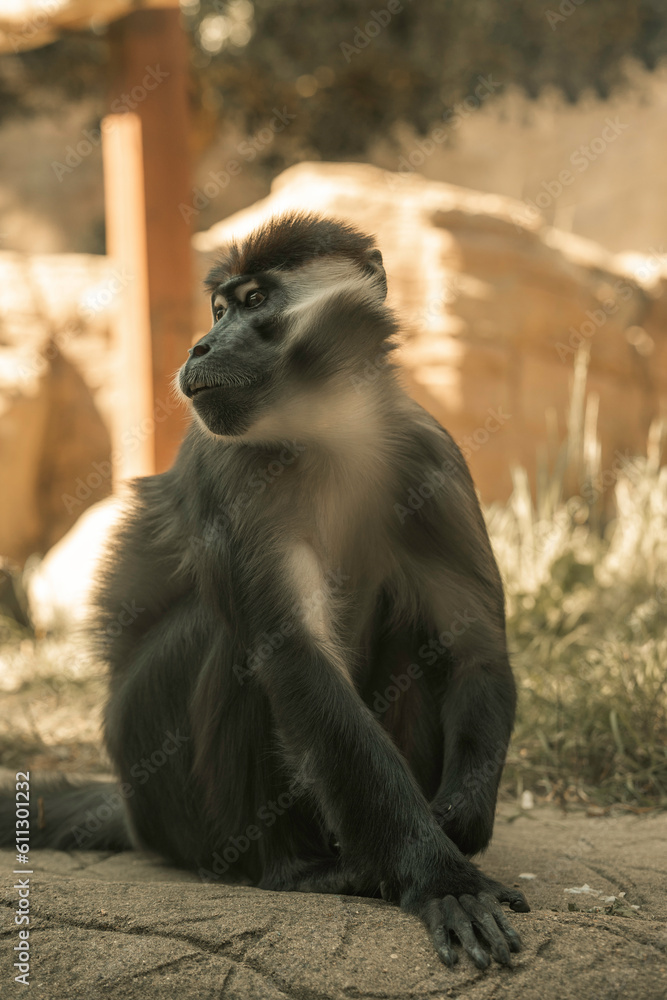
313	691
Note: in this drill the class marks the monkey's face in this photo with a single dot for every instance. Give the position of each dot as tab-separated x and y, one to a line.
231	372
283	345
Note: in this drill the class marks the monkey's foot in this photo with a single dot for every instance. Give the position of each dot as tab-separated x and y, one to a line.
478	922
325	877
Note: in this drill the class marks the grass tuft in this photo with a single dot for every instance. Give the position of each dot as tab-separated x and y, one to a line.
586	581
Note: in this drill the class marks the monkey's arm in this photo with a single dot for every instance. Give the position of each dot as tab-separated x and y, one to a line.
367	795
448	564
448	556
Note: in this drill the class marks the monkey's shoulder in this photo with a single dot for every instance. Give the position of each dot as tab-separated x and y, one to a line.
424	444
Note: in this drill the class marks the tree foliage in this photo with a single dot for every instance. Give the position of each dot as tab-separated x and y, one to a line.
350	72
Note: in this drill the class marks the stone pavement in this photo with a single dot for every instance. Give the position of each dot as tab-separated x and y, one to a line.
125	926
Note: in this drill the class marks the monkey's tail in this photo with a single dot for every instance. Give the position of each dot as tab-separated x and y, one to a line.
65	815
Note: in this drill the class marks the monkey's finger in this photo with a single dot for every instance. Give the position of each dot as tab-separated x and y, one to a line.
444	947
440	936
489	928
458	921
513	939
516	899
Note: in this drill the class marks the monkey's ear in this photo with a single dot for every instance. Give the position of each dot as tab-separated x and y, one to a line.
375	267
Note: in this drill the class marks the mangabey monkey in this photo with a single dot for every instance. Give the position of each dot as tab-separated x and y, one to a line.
319	624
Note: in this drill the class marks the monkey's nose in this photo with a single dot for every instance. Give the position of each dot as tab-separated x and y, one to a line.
198	350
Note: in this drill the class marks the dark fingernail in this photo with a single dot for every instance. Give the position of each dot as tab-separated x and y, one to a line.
501	953
480	958
514	941
448	956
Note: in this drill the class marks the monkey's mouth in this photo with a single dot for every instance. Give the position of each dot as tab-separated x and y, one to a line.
197	387
221	382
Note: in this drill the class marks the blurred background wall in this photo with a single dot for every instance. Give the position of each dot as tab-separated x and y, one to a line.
508	157
510	145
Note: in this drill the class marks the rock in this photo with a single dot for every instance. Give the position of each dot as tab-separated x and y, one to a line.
14	613
23	417
60	586
494	306
55	394
124	926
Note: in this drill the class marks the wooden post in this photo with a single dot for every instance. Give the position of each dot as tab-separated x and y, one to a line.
132	436
150	84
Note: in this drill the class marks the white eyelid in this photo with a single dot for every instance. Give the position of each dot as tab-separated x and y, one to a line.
242	290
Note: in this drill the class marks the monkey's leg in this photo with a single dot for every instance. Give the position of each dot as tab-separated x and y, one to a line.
370	800
333	876
477	715
149	736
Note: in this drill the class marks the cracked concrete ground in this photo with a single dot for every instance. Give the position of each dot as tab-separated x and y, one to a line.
125	926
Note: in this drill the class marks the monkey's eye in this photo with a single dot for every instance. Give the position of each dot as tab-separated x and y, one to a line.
219	312
254	298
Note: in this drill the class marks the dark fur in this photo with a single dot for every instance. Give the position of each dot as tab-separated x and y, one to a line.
289	241
372	792
66	814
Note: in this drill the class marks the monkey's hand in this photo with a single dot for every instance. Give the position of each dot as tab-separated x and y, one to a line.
465	906
476	920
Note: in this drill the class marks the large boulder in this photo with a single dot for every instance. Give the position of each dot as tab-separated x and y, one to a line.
56	371
494	305
60	587
127	927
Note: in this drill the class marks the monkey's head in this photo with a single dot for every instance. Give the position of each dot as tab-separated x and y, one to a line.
298	312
